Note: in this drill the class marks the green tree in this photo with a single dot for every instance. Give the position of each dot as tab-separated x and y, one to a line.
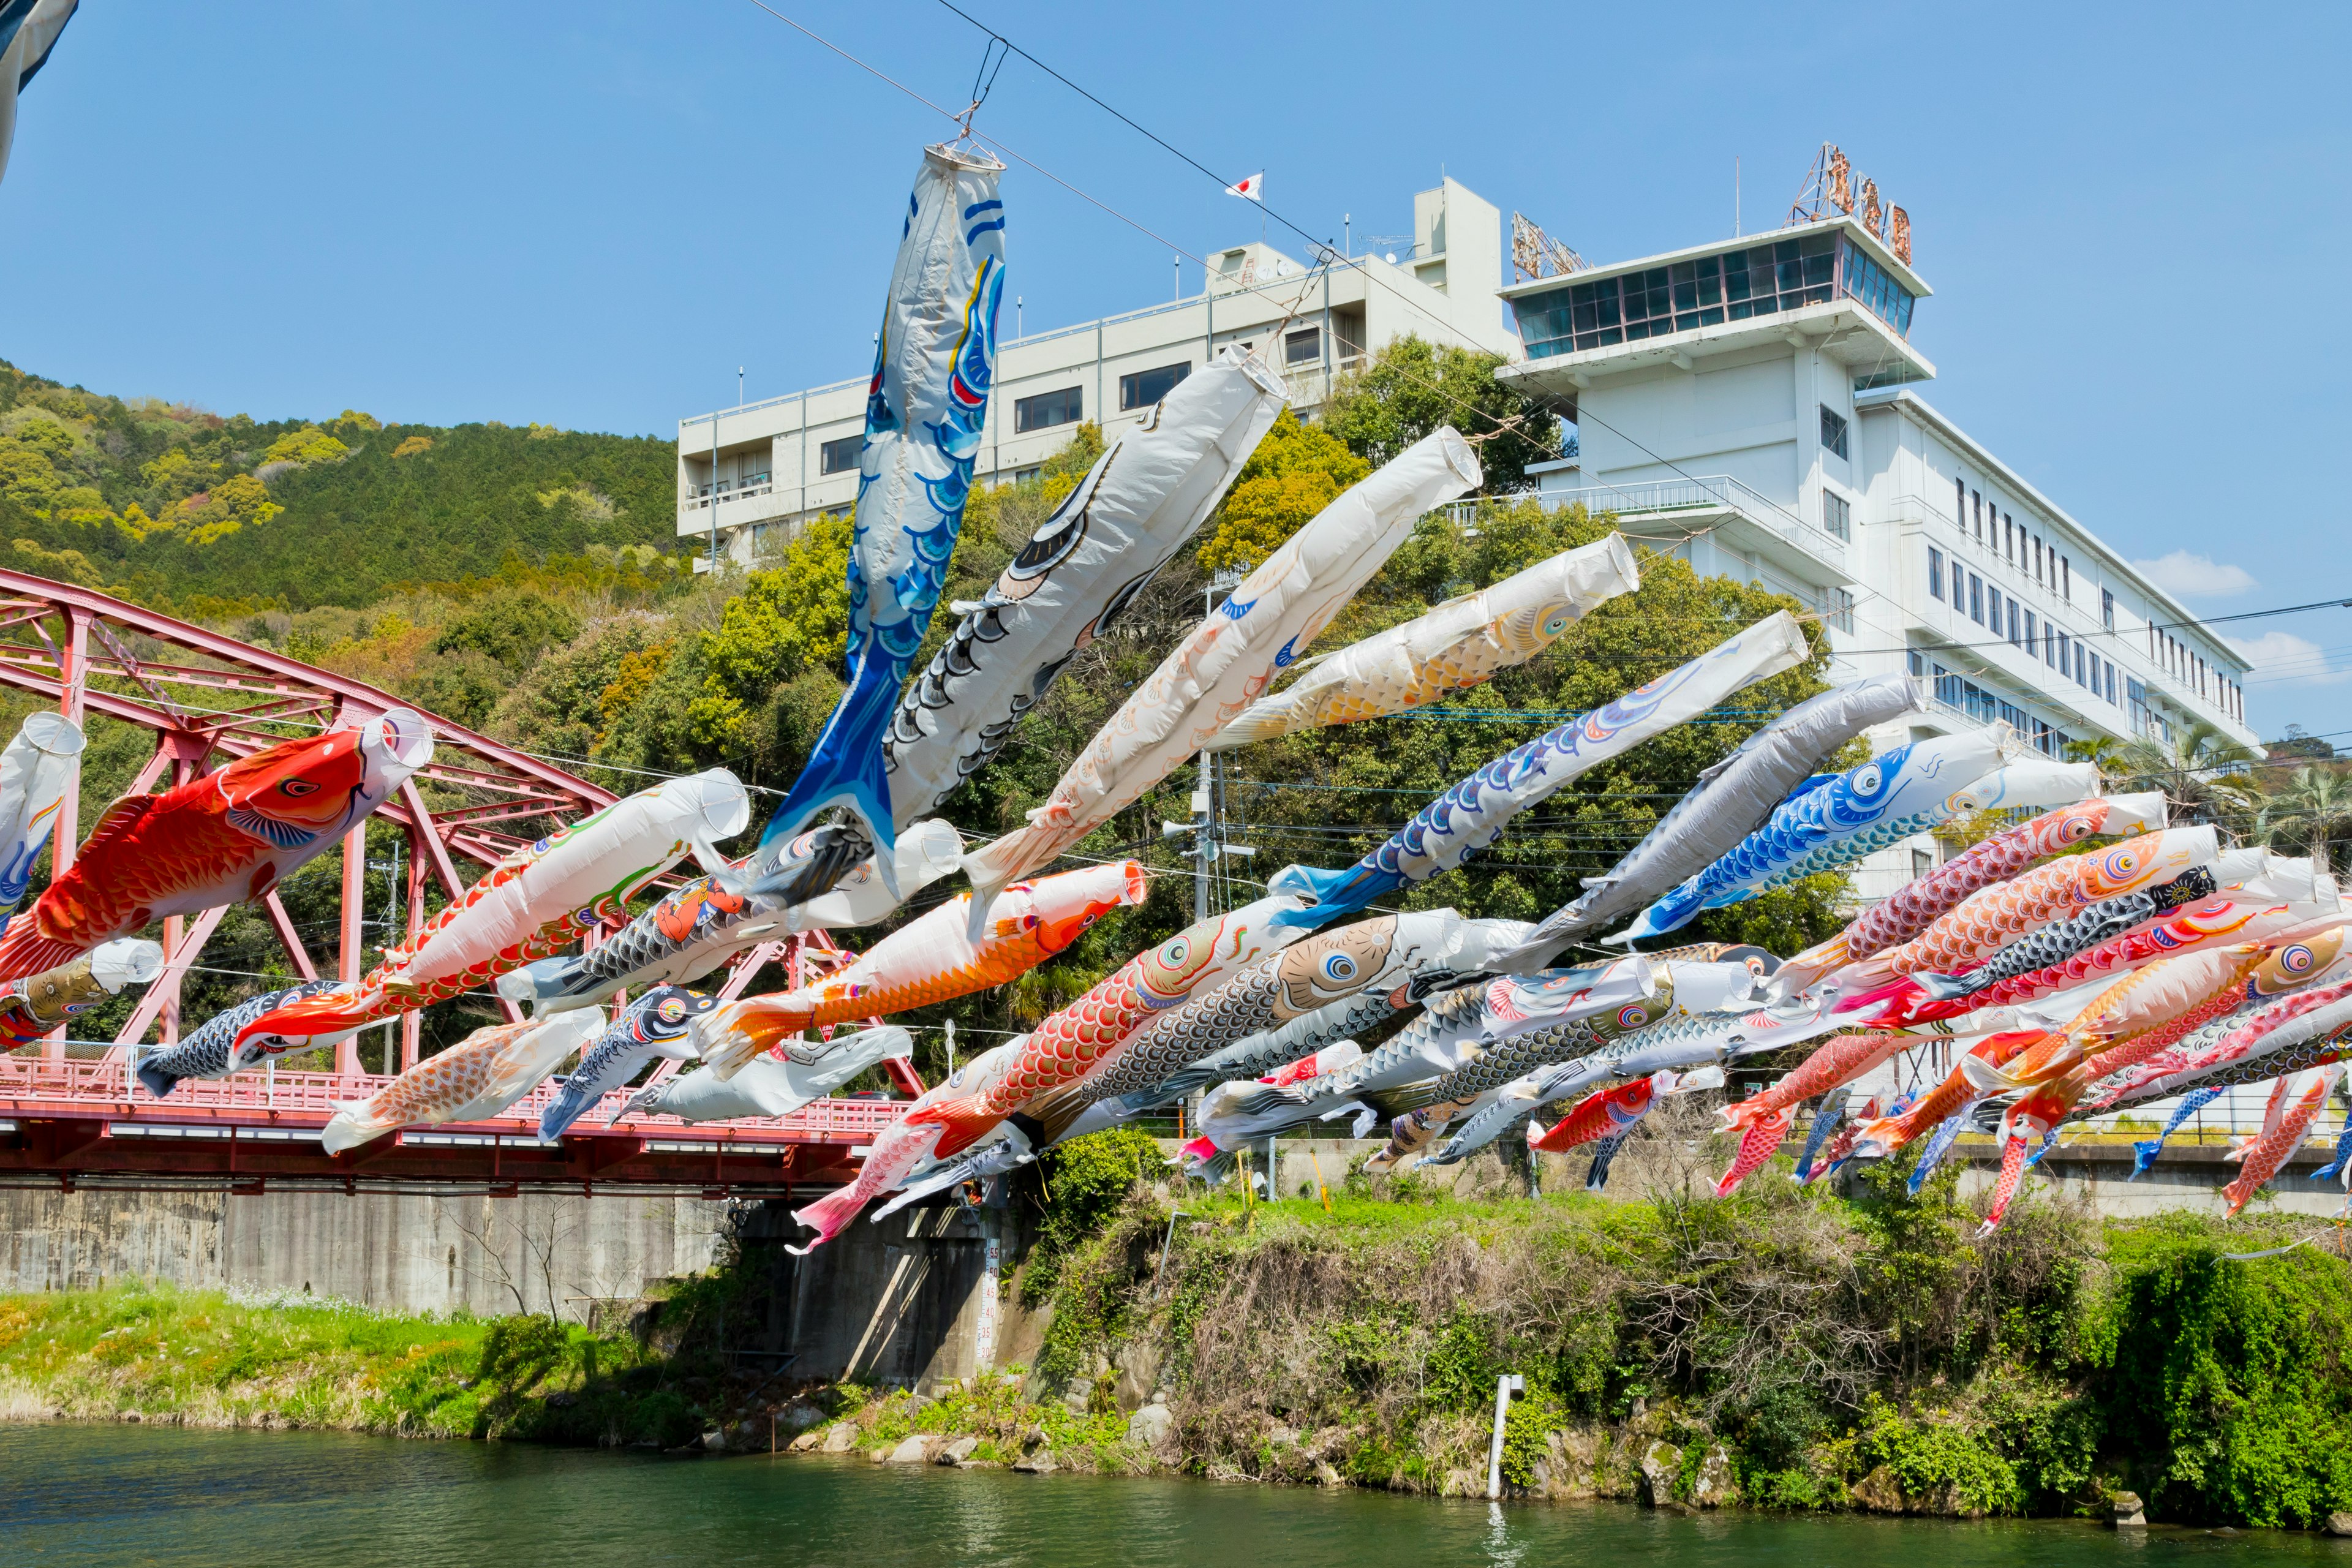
1412	386
512	629
2202	772
790	618
1296	471
2313	812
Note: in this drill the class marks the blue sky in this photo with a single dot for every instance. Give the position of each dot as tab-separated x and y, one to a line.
591	213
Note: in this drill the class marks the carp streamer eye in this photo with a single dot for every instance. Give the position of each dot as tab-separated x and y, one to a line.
1174	953
1556	622
297	787
1338	966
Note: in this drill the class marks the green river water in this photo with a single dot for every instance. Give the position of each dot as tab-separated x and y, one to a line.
108	1494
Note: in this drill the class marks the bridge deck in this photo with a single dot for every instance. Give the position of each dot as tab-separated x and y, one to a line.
83	1123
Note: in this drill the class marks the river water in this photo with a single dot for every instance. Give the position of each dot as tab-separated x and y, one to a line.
126	1494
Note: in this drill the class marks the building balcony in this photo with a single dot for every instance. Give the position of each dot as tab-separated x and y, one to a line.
1665	512
739	507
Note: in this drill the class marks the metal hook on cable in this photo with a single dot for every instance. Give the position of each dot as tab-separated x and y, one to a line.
992	55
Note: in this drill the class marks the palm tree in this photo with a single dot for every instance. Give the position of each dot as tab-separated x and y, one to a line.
2099	749
2202	772
2314	807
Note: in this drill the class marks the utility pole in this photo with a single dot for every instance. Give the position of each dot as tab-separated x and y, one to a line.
1207	825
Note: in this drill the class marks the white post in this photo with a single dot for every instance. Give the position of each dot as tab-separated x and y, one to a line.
1507	1387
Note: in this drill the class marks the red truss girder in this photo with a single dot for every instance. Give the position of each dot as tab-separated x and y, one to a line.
67	1114
232	699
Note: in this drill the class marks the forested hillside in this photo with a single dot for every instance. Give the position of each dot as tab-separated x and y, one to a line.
182	508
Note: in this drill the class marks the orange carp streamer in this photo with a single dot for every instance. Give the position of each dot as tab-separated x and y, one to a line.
931	960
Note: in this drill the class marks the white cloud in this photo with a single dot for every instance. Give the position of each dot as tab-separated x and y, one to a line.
2190	576
2282	659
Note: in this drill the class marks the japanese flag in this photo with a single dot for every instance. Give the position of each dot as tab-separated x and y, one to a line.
1252	189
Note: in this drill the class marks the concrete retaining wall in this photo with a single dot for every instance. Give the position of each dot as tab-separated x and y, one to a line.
400	1252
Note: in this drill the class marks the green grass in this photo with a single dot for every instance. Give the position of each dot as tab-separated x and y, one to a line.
210	1359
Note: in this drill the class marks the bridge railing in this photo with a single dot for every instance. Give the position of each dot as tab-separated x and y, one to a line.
93	1085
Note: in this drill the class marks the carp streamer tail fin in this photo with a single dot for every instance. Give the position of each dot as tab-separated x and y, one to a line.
1946	988
2012	1170
1762	1141
845	767
567	1108
24	952
159	1082
828	1216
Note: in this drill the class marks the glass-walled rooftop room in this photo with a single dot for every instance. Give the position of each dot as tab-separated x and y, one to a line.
1733	285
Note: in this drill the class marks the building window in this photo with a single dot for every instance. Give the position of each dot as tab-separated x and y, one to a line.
2110	667
2066	579
1303	347
1862	279
1935	573
1048	409
1146	388
1921	862
1837	608
1737	285
1960	501
1833	431
2107	607
840	456
2009	538
1975	509
1918	665
1837	516
1992	602
1975	598
2012	621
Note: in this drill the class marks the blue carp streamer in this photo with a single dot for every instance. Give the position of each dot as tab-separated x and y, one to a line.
934	365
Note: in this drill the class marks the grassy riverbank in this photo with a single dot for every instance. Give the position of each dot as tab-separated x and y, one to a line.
1785	1349
209	1359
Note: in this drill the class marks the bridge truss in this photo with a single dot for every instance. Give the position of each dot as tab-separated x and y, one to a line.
208	700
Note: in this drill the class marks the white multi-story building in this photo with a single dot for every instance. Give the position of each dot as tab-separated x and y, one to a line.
768	465
1752	405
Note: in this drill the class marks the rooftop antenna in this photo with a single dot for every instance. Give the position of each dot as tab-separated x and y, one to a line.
1829	184
1535	253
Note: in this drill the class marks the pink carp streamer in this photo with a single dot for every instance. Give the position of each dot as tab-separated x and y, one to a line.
1839	1059
1990	919
1083	1035
1919	903
2295	1102
1762	1120
1757	1143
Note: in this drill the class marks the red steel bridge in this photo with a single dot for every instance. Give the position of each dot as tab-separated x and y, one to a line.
207	700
